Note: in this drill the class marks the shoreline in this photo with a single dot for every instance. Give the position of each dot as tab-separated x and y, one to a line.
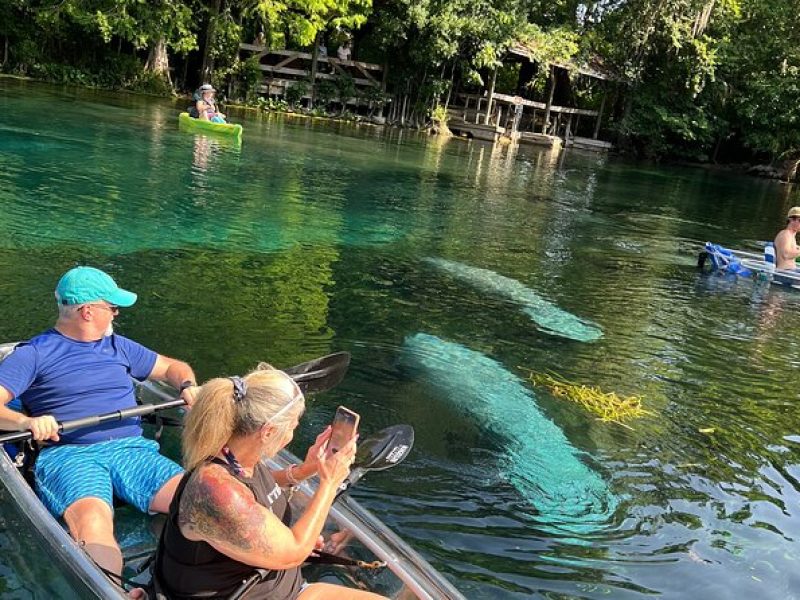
760	170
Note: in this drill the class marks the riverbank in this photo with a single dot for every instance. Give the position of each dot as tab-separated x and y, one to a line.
785	171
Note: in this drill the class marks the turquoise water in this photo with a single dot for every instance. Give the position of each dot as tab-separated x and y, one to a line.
313	237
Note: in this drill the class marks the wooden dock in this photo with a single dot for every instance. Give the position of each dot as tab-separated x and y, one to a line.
478	131
584	143
540	139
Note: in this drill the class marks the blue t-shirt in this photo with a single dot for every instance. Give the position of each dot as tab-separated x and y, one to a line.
52	374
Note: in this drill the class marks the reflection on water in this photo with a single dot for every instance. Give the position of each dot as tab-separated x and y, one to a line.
311	237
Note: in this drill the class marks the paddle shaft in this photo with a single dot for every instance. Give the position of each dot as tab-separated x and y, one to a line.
117	415
312	376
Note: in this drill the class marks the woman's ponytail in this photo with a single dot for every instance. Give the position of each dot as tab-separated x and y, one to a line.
210	423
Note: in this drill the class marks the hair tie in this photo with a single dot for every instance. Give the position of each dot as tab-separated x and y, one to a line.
239	388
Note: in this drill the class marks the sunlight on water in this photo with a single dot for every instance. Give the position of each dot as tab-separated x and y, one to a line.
312	237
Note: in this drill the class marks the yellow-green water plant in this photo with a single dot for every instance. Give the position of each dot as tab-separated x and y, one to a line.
608	406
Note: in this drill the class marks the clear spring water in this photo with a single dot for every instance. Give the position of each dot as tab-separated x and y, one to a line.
313	237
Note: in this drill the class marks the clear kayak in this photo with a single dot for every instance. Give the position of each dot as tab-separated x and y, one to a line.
228	129
405	575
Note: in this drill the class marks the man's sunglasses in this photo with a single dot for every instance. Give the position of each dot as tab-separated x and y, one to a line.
111	307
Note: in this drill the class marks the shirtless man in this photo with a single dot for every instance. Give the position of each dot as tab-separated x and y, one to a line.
786	248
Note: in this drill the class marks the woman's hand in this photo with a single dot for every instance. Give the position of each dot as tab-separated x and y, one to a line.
333	468
310	465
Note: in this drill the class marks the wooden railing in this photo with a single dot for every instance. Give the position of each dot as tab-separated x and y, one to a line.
281	67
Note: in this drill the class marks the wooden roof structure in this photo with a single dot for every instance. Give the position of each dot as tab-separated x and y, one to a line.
594	68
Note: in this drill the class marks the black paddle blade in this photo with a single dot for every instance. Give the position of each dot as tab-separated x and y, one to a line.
381	450
320	374
386	448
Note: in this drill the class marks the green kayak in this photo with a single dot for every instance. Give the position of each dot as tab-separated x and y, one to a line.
230	129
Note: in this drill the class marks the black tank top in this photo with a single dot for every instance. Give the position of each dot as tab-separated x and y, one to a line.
189	569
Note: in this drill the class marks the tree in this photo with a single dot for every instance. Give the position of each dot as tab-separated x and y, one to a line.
154	25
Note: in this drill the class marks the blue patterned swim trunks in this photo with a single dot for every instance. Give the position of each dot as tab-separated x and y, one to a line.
130	468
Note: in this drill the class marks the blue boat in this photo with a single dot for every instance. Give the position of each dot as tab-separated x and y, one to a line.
741	263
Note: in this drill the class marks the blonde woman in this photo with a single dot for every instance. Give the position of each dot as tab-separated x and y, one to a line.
230	515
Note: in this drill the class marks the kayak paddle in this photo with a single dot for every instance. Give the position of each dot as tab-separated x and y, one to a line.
315	375
381	450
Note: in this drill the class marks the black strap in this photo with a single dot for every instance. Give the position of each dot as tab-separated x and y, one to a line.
321	557
248	584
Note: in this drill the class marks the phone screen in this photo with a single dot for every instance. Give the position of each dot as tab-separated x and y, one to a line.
343	428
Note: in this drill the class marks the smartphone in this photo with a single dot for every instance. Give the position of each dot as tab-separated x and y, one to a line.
343	428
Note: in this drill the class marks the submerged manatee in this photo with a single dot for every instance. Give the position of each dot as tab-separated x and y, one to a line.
547	316
538	459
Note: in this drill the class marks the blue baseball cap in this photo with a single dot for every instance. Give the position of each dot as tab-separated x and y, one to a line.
87	284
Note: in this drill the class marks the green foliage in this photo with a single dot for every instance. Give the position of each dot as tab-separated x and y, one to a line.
326	93
693	73
295	92
373	95
345	88
438	115
507	78
123	72
224	48
249	77
273	104
301	20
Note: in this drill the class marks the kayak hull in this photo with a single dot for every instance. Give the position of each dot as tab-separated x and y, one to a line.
233	130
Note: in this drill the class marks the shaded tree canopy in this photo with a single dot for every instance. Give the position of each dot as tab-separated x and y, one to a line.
699	79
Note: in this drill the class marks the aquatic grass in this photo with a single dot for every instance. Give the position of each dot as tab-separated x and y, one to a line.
608	406
548	317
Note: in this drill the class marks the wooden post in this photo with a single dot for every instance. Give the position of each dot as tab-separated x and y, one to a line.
487	118
546	124
314	55
600	114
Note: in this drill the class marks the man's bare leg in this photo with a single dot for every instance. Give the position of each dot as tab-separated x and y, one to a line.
91	522
161	501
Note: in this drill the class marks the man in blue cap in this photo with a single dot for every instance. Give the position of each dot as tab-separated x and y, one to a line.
81	368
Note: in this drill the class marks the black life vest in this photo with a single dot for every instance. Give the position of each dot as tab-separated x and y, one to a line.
186	569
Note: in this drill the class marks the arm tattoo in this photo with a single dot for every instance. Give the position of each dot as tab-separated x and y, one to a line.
218	508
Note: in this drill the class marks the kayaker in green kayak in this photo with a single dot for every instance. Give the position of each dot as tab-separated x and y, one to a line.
80	368
230	520
205	108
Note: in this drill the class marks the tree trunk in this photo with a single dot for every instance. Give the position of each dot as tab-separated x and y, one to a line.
314	56
158	60
452	83
208	61
487	119
5	52
550	95
791	170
